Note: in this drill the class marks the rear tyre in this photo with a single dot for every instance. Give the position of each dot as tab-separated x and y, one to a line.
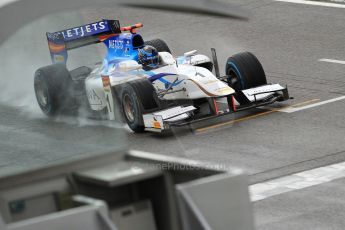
244	71
137	98
54	89
159	44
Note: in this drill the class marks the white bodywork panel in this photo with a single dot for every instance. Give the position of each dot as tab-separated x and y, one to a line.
190	82
167	58
95	92
191	58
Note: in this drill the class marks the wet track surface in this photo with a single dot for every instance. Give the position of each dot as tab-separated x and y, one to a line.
317	207
289	39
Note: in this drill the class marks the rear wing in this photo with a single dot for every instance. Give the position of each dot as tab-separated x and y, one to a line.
61	41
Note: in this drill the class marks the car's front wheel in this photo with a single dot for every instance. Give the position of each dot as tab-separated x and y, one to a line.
137	98
244	71
132	109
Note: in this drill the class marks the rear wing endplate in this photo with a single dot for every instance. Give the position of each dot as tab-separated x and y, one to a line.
61	41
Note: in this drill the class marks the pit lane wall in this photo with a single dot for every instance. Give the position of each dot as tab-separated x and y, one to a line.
133	190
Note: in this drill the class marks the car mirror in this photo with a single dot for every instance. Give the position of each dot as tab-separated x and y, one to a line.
190	53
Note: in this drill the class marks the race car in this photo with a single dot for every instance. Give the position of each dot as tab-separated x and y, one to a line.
142	83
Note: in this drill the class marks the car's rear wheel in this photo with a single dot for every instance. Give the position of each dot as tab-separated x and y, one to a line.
137	97
244	71
159	44
53	88
42	95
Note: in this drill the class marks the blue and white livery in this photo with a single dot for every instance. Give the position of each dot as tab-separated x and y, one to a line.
177	91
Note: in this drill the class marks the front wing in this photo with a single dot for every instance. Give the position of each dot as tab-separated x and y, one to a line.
160	121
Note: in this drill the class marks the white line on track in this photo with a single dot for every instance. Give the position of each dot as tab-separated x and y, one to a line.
297	181
314	3
332	61
295	109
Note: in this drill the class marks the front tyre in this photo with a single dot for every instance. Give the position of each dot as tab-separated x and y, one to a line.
245	71
138	97
132	108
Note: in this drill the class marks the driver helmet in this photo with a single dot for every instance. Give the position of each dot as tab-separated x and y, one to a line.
148	57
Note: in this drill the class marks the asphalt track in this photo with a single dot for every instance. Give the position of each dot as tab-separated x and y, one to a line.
289	39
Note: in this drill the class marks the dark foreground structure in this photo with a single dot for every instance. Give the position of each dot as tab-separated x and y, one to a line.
128	191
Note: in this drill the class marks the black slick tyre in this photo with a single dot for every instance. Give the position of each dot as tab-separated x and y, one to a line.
244	71
159	44
54	89
137	98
